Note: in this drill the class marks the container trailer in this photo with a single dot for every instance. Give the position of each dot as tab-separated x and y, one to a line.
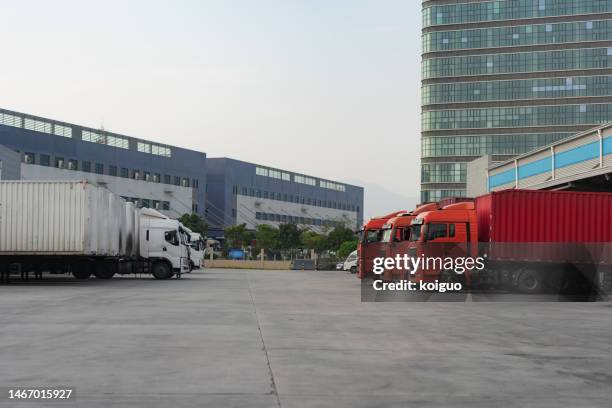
531	240
80	228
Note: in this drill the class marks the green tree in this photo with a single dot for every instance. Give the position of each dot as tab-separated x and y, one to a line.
267	237
195	223
289	236
312	240
346	248
237	236
339	235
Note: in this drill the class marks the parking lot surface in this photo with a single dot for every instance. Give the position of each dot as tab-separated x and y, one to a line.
242	338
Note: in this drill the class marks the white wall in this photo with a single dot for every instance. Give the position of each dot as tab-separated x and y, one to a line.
247	206
180	198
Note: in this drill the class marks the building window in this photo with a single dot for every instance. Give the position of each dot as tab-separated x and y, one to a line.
136	174
29	158
156	204
146	203
37	125
73	164
99	168
87	166
147	176
112	171
234	212
177	181
195	183
166	205
194	208
125	173
45	160
64	131
185	182
265	194
144	147
156	178
59	162
114	141
167	179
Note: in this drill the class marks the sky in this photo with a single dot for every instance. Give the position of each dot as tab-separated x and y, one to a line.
329	88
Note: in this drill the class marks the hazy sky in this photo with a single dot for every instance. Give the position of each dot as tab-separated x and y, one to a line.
329	88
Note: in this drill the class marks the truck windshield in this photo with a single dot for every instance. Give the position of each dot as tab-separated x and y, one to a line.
373	236
415	232
386	235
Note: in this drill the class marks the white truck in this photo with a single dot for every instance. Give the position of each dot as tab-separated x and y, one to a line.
80	228
197	247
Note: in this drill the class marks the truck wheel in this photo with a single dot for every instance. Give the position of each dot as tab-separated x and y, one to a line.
161	270
353	269
449	276
529	282
81	270
81	274
104	271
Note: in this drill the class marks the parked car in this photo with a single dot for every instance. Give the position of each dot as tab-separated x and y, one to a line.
350	264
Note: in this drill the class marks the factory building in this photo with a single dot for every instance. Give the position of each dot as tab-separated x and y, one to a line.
174	180
241	192
582	162
154	175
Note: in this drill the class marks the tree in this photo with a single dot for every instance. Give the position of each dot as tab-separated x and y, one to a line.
195	223
312	240
339	235
346	248
237	236
289	236
267	237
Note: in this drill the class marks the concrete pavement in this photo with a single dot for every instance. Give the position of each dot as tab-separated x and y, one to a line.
295	339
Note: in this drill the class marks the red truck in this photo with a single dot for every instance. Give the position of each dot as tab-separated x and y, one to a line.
528	239
369	246
396	237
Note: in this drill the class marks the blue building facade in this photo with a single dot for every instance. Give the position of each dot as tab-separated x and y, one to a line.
152	174
241	192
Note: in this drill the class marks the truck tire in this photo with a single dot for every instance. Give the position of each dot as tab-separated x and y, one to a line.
450	276
81	270
104	271
81	274
161	270
529	282
353	269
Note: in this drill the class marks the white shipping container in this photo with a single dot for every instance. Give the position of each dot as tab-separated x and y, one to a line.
65	218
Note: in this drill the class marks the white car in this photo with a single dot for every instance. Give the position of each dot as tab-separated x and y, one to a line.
350	264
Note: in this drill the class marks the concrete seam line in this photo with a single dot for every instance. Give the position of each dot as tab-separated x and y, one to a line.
265	350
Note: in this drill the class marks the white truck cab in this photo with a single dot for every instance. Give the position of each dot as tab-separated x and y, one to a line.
163	243
350	264
196	249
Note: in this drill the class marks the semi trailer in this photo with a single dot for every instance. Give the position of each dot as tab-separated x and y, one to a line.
529	240
80	228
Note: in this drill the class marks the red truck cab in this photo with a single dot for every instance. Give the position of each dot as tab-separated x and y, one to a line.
369	246
396	237
448	232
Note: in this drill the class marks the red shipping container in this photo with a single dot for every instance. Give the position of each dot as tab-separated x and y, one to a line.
551	222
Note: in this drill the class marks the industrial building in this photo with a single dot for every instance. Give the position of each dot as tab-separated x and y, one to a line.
159	176
173	180
579	163
253	194
504	77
